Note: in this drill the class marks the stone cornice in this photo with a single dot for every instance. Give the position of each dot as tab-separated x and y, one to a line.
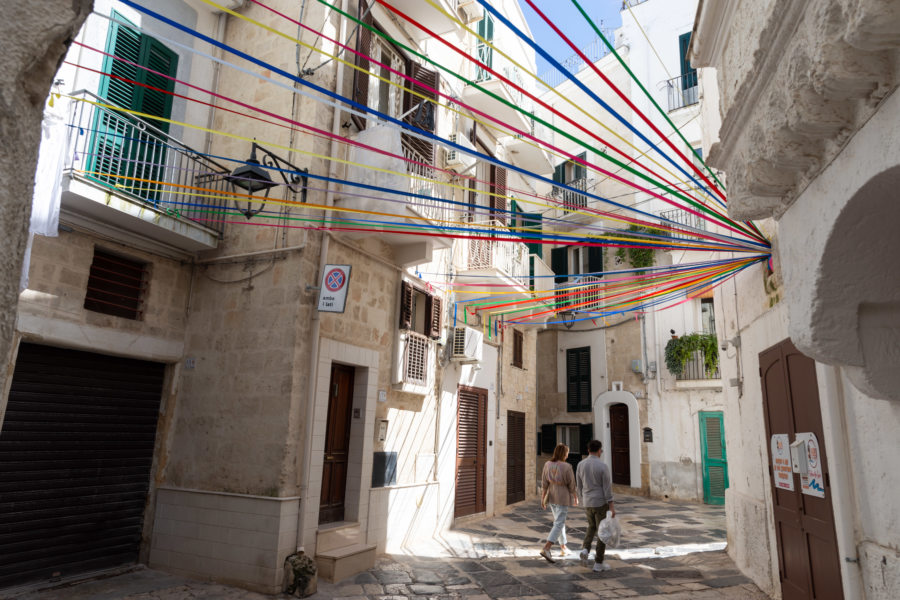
713	19
819	70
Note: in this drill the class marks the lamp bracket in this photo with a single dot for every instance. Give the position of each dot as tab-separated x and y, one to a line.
284	168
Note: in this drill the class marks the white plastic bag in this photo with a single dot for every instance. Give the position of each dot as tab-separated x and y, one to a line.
609	530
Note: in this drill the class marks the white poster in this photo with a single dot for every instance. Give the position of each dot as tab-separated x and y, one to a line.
812	484
333	288
781	462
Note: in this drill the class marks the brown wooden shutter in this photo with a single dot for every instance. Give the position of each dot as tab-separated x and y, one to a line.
515	457
406	303
423	115
363	46
434	311
498	187
471	452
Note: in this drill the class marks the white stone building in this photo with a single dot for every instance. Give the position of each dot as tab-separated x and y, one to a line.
806	127
236	423
655	427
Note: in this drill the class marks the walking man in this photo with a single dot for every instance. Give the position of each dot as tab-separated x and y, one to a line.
593	485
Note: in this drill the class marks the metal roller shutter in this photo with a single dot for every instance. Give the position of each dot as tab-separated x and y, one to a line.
76	450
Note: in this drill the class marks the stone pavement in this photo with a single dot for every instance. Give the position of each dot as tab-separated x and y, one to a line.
669	551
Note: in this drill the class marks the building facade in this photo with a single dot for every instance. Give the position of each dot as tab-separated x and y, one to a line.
215	420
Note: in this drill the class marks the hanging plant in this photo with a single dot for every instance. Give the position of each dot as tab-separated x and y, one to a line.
680	350
640	258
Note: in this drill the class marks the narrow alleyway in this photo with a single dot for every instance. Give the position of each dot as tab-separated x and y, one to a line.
669	550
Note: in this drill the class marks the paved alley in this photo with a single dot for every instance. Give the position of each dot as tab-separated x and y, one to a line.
669	550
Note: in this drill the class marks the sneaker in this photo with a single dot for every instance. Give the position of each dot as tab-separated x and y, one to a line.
583	557
547	557
600	567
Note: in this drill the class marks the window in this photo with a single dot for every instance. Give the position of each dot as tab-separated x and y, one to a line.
115	286
688	73
569	261
707	316
697	157
578	379
573	174
518	348
420	312
497	198
123	150
484	52
569	435
379	89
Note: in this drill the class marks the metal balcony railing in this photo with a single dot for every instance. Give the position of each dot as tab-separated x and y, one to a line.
683	91
510	257
137	159
694	369
571	200
685	218
582	293
415	358
424	183
594	51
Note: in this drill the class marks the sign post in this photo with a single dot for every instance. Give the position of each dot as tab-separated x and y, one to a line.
333	288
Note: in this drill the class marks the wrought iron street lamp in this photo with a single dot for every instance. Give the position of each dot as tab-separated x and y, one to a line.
252	178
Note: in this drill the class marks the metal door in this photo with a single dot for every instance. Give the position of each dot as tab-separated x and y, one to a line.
76	450
337	445
808	560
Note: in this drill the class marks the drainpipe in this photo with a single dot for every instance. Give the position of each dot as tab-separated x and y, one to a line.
316	324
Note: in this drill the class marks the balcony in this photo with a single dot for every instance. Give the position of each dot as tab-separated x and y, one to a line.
428	16
528	154
130	181
695	376
582	294
683	91
505	113
683	217
428	204
482	259
570	200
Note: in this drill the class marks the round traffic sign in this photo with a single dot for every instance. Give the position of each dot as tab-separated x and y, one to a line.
335	280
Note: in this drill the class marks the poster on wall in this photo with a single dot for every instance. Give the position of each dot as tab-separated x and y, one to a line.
813	483
781	462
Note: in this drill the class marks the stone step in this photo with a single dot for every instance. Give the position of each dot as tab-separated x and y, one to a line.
340	563
337	535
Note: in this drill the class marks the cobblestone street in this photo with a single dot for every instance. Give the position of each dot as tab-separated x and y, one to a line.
669	550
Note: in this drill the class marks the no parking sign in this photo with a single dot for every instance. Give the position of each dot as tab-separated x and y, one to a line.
333	291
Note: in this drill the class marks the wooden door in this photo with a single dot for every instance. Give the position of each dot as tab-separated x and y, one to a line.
808	561
620	451
337	445
515	456
715	463
471	452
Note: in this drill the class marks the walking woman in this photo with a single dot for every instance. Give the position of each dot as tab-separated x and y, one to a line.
558	490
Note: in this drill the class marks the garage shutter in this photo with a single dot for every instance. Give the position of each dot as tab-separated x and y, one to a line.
515	457
76	450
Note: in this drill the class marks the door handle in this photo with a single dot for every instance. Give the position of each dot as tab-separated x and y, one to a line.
329	457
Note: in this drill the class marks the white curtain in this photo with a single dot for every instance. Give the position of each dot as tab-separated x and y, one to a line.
47	179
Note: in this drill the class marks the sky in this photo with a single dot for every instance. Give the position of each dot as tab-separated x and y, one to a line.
571	22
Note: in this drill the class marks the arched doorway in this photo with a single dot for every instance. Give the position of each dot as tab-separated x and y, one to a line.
620	451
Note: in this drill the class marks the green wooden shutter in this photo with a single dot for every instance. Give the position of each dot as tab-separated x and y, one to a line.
595	260
715	463
579	171
559	262
578	379
688	73
533	221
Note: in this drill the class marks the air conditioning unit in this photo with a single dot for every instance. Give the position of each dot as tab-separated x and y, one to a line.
454	159
470	11
467	344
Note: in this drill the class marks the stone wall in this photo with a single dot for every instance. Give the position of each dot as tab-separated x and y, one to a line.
29	65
